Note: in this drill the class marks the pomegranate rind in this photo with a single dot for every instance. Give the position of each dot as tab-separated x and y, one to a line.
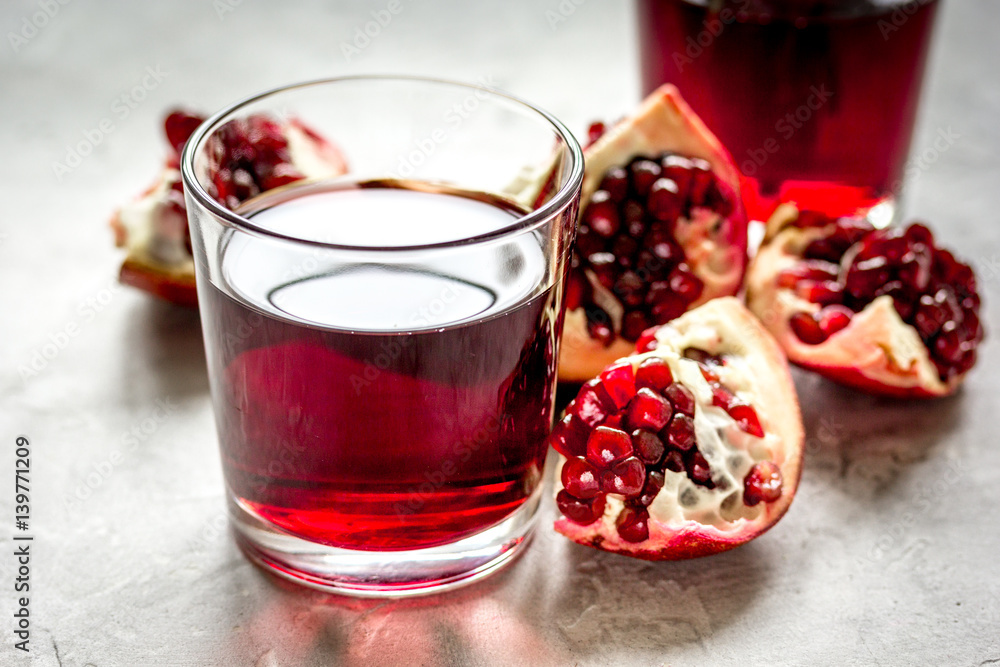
720	327
153	230
877	352
664	122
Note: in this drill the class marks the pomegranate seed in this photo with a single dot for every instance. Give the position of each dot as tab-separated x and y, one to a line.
678	169
674	461
746	418
866	276
588	242
654	373
583	512
626	477
681	398
614	421
600	331
615	183
605	268
762	484
664	202
625	248
721	396
179	126
668	307
805	326
647	341
644	173
649	411
948	346
618	380
633	324
569	436
648	446
579	478
629	289
607	445
592	404
825	292
633	524
834	318
680	432
685	284
654	482
601	215
595	131
918	233
702	182
698	469
667	250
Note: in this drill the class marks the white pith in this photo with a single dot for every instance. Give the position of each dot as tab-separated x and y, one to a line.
731	452
153	229
662	123
877	344
153	232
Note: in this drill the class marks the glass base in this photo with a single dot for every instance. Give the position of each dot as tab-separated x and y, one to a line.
383	573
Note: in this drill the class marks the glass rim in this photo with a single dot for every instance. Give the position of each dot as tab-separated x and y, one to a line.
522	223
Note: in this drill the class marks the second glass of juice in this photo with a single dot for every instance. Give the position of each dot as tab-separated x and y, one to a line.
816	99
382	346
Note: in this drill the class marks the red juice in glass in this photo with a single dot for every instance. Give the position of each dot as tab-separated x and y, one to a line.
816	99
376	407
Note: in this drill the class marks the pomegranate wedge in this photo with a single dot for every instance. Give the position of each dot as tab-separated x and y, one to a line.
251	154
688	447
886	311
662	229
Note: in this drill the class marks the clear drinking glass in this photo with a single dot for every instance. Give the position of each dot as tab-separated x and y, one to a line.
816	99
382	344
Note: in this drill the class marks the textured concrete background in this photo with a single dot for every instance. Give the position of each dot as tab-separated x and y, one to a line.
887	557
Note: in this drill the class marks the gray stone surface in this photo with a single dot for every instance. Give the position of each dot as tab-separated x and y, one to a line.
887	557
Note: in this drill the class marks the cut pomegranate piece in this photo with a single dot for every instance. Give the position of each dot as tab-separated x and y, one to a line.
885	311
720	472
662	229
248	156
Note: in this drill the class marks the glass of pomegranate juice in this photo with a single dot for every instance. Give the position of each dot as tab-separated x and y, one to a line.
380	263
816	99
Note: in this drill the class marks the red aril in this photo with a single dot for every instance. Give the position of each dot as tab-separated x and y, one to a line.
718	471
886	311
247	156
662	229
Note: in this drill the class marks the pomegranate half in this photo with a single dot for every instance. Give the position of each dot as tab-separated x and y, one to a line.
248	156
885	311
662	229
688	447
